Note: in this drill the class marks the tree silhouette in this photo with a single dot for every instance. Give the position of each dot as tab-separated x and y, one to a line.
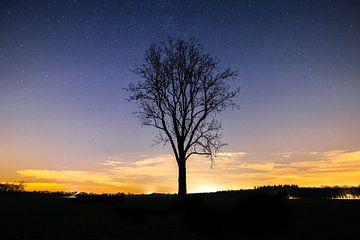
181	90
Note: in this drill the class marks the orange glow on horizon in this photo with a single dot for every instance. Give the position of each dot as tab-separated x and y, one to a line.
232	171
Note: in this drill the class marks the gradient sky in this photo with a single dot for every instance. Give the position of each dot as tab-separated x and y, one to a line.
65	123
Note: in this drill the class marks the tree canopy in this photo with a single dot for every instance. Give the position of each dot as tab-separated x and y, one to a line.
181	91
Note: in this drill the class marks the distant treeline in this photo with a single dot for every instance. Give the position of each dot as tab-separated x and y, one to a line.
294	191
18	189
12	187
283	191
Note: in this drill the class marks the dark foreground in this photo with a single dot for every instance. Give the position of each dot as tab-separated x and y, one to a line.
32	216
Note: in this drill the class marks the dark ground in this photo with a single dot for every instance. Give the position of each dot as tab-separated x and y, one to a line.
36	216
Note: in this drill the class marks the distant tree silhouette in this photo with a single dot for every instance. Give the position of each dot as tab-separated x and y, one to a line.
181	90
12	187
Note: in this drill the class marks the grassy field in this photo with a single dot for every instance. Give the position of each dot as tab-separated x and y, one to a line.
41	216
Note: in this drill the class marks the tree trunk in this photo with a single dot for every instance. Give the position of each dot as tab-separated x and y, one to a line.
182	177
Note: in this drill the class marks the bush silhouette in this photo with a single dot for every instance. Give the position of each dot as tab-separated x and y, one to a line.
12	187
104	198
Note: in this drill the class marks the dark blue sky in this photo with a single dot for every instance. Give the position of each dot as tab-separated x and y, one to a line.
64	64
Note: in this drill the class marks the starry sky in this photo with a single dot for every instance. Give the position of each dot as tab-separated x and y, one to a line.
65	123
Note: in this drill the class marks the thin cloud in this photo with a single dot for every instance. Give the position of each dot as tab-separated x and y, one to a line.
232	171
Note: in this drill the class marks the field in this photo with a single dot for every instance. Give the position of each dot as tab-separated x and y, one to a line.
206	216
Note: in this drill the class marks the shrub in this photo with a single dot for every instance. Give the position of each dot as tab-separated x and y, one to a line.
12	187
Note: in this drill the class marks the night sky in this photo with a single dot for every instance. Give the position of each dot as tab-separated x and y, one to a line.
65	123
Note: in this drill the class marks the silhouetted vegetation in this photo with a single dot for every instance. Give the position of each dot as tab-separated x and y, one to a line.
322	192
105	197
181	91
294	191
12	187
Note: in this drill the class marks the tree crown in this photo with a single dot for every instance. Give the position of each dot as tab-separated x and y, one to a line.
181	91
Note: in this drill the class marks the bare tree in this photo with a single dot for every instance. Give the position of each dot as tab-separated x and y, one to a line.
181	91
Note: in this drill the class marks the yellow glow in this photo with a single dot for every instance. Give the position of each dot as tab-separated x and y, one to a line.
232	171
41	186
206	189
36	186
348	197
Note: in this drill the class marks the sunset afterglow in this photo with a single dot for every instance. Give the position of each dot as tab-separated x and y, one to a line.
65	123
232	170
